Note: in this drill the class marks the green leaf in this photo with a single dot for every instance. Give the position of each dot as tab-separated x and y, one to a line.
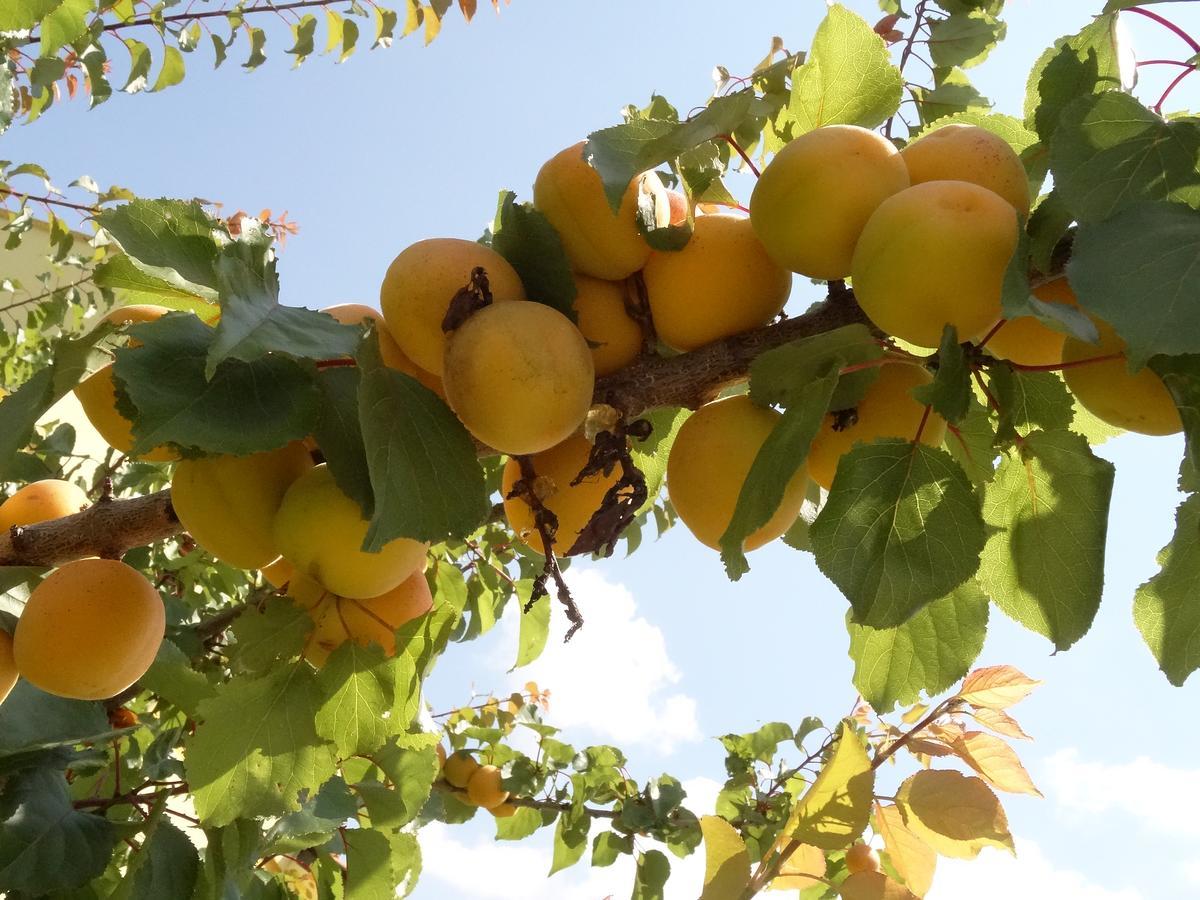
953	98
726	860
1181	375
31	719
172	70
1109	152
358	687
173	677
271	634
973	445
253	323
950	391
929	652
847	79
534	631
519	825
901	528
1047	226
63	24
1029	401
140	62
23	15
524	237
46	844
1138	272
570	840
964	39
779	376
426	479
258	747
120	273
169	866
608	846
1047	514
244	408
227	869
173	240
835	809
369	874
411	774
778	460
258	40
1084	63
1165	608
339	434
316	820
653	870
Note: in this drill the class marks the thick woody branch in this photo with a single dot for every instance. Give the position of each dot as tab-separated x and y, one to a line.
111	527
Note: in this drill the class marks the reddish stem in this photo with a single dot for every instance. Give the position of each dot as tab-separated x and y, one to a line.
921	428
1057	367
1165	62
728	138
1170	87
991	334
1167	23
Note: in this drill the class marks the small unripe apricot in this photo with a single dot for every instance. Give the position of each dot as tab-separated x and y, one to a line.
721	283
1136	401
228	503
42	501
613	337
484	788
459	768
8	666
370	621
573	505
89	630
709	461
389	351
935	255
320	531
1026	340
862	858
520	376
887	410
969	153
597	241
420	283
816	195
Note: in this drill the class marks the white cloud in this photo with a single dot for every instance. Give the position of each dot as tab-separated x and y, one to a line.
996	875
615	677
1162	799
701	795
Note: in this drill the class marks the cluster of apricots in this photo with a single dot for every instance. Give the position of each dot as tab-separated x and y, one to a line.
478	785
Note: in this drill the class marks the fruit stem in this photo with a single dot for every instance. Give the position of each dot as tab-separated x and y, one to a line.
991	334
1056	367
1167	23
921	427
918	17
1170	87
728	138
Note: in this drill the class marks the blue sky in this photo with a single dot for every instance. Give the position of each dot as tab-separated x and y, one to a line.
414	142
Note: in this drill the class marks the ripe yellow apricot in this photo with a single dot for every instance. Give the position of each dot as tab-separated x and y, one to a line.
721	283
815	196
574	505
614	338
89	630
370	621
8	666
420	283
320	531
441	755
887	410
503	810
484	788
42	501
459	768
228	503
709	461
393	357
1026	340
862	858
597	241
1136	401
969	153
519	376
278	573
935	255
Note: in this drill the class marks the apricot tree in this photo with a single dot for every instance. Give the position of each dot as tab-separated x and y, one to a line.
213	640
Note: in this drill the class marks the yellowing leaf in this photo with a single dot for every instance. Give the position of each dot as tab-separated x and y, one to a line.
873	886
955	814
1000	722
726	860
995	761
834	811
433	24
913	859
801	870
996	687
914	715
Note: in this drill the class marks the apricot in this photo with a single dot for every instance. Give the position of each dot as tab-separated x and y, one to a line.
393	357
320	531
969	153
133	314
887	410
1026	340
503	810
574	505
597	241
816	195
862	858
935	255
483	789
708	464
228	503
8	666
459	768
721	283
89	630
370	621
520	376
614	338
440	751
1136	401
42	501
420	283
278	573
